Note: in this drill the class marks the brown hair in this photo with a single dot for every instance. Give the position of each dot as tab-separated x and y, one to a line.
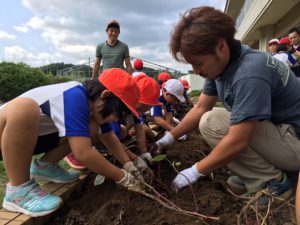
198	32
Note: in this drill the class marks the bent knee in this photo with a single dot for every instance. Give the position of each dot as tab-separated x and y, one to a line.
216	120
21	109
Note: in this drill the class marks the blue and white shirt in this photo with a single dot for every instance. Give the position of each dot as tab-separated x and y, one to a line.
64	108
159	110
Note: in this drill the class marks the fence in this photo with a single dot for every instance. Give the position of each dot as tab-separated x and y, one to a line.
85	70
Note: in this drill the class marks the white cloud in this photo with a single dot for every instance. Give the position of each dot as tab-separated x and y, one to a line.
18	54
35	23
5	35
71	30
14	53
78	49
23	28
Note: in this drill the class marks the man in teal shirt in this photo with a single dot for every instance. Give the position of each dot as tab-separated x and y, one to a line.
112	52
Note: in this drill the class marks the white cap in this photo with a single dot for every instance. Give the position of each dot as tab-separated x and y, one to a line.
274	40
175	88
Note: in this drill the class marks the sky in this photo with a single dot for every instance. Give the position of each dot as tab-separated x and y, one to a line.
52	31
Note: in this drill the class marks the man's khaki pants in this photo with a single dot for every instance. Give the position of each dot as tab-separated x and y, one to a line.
273	148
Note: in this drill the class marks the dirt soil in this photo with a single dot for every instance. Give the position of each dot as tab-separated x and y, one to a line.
107	203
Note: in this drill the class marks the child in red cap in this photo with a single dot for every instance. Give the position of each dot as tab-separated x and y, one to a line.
149	94
186	86
55	120
138	67
283	54
163	77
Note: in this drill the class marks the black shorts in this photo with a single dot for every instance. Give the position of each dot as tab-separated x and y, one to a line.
44	144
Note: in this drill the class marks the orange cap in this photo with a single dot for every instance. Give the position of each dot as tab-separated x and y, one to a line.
185	84
122	85
149	90
164	76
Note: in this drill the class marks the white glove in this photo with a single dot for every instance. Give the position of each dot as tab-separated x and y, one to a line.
164	142
176	121
130	168
140	163
130	182
183	138
186	177
147	157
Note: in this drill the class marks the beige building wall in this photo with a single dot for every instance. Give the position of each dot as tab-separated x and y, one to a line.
258	21
195	81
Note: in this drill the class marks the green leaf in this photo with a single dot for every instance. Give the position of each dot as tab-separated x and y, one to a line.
159	158
99	180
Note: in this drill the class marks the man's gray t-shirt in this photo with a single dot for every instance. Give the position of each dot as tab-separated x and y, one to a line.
256	86
112	56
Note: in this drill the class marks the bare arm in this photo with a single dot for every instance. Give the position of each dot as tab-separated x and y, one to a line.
140	137
237	140
298	201
111	141
92	159
162	122
128	65
297	54
96	68
192	118
169	118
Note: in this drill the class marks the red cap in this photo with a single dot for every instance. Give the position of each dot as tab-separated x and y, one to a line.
185	84
285	40
122	85
164	76
149	90
138	64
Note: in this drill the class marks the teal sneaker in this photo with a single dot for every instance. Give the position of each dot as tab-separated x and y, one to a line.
30	199
51	172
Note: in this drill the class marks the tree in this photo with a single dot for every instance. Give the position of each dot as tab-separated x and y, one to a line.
15	79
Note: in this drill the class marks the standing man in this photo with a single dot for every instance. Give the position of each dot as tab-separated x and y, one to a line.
294	36
112	52
257	134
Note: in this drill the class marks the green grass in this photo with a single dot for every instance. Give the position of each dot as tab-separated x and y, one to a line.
3	181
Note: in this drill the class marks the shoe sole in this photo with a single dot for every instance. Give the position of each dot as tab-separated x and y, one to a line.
74	166
42	178
15	208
